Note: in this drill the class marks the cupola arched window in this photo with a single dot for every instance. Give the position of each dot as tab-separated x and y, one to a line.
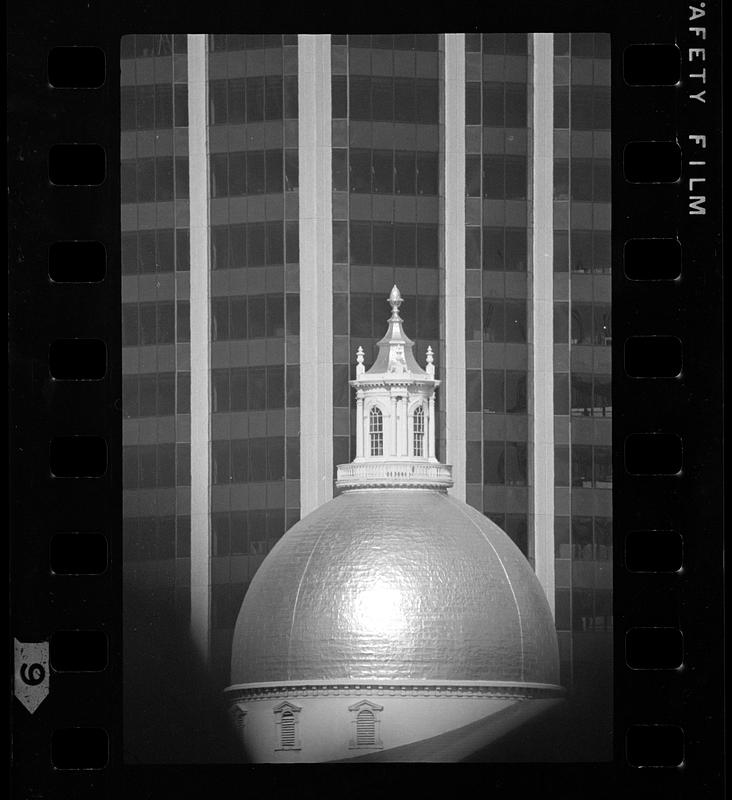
376	431
418	432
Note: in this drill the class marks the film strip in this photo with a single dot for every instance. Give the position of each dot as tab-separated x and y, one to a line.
66	389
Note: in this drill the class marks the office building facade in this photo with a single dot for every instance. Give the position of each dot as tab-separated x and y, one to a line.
274	189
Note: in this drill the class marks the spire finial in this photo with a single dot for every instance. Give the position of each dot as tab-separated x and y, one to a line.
360	369
395	300
430	361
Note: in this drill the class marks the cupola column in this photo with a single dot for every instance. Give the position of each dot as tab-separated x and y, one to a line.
359	424
393	440
431	427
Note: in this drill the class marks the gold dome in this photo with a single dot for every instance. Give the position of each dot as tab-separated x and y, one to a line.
395	584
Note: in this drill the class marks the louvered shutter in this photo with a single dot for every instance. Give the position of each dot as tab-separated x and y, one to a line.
288	729
365	728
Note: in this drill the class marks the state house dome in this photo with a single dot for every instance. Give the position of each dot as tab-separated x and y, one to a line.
395	584
394	594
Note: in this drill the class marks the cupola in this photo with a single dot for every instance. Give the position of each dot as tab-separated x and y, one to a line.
395	416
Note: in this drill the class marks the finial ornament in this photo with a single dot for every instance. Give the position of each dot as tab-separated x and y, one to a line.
430	370
395	300
360	369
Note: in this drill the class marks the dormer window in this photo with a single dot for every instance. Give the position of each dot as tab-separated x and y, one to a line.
365	726
376	431
287	725
418	432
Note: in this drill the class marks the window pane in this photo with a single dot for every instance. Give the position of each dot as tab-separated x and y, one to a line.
494	463
561	323
515	177
290	88
256	236
257	459
274	171
472	247
276	465
405	172
561	393
359	97
183	393
237	246
220	462
516	105
220	390
293	386
601	180
493	250
493	391
361	316
581	323
219	175
257	323
493	183
581	103
236	101
581	252
238	389
473	462
561	251
472	103
219	319
257	387
275	321
339	96
561	465
493	113
275	244
382	99
238	318
340	169
493	320
427	105
516	249
561	106
603	396
603	325
581	394
581	179
603	467
561	179
237	174
147	323
601	251
147	395
383	171
255	99
163	106
166	394
582	465
383	244
145	99
360	171
405	252
515	321
255	172
473	389
472	176
404	100
273	97
427	246
146	180
427	177
183	321
182	250
515	392
516	463
360	235
146	252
